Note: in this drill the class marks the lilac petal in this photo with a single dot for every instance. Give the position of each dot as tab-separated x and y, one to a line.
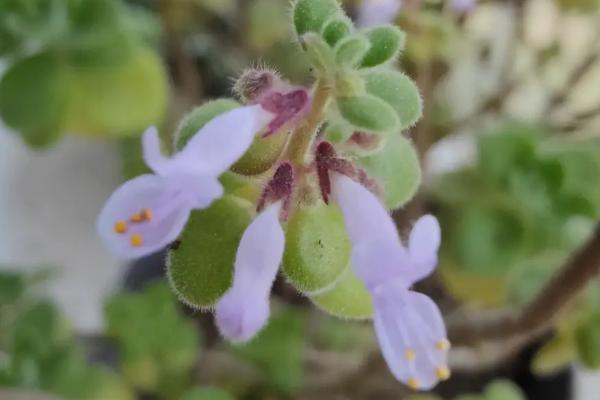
377	12
244	309
377	252
153	157
423	245
462	6
412	336
167	210
222	141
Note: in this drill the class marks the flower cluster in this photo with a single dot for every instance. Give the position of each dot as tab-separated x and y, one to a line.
322	204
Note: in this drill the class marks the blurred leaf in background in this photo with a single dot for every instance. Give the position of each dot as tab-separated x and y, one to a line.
158	345
80	67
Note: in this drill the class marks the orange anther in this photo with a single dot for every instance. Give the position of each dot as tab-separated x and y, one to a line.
120	227
413	383
410	354
443	345
147	214
443	373
136	240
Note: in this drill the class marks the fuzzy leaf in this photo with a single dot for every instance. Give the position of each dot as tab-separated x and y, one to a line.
369	113
317	248
200	268
336	28
319	53
311	15
386	43
348	299
397	170
350	50
399	91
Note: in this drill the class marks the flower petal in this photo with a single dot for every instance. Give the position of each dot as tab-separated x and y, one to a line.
244	309
412	336
423	245
153	157
377	252
377	12
142	216
222	141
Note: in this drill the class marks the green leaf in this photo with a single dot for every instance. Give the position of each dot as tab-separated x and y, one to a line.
278	349
200	269
319	53
118	100
386	43
311	15
33	98
163	360
587	339
338	132
261	156
317	247
336	28
207	393
369	113
200	116
399	91
350	50
503	390
397	170
554	355
349	298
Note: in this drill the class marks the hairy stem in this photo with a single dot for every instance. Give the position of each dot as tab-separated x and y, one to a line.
539	314
302	138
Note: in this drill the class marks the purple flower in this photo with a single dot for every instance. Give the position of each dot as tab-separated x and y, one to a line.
461	6
408	325
377	12
244	309
148	212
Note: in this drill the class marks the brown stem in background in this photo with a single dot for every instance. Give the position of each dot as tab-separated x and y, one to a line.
538	315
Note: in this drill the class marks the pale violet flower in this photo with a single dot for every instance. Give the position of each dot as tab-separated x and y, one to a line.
148	212
377	12
461	6
408	325
244	309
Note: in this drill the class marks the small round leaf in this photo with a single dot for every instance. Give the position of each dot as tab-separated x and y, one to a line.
310	15
368	113
399	91
336	28
349	298
317	248
350	50
200	268
386	43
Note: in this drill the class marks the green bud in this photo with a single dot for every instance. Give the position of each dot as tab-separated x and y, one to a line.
311	15
263	153
317	248
319	53
397	170
33	98
399	91
200	116
350	50
349	298
200	269
386	43
369	113
336	28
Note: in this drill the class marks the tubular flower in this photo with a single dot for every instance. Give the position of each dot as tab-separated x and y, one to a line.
148	212
408	325
244	309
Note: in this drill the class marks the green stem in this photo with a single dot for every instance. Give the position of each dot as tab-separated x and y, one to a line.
302	138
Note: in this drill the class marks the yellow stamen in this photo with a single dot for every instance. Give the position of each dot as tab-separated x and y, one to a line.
136	240
443	373
443	345
120	227
413	384
137	217
147	214
410	355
